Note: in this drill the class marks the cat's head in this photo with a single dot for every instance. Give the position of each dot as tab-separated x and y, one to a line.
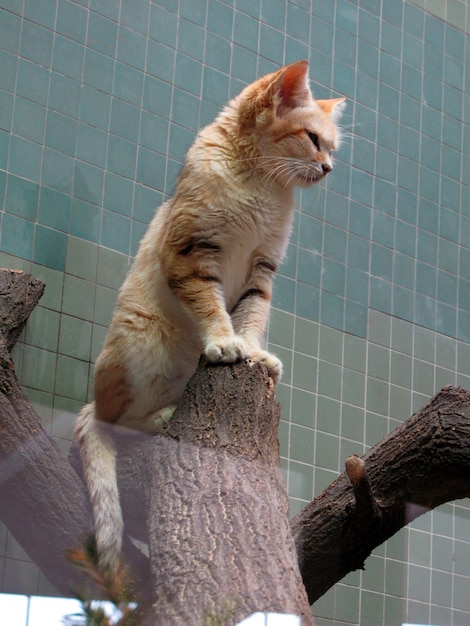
292	134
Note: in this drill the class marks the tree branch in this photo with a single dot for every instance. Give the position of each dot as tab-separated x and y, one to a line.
420	465
42	500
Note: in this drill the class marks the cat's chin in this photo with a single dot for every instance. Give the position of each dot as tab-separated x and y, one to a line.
308	181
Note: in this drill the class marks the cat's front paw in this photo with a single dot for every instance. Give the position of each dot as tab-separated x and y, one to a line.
226	350
270	361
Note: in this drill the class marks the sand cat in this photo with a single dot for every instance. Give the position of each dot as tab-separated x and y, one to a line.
202	277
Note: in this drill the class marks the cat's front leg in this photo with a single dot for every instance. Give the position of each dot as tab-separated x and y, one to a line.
201	293
251	312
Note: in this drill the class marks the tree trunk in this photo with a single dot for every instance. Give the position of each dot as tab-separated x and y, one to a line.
216	471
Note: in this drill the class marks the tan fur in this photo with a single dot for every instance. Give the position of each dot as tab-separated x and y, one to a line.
201	281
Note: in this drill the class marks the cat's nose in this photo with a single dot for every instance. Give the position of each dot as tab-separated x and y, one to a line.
326	167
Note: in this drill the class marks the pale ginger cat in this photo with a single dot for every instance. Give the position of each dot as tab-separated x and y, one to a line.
201	280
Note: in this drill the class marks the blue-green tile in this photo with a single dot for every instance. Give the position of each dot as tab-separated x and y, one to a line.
151	169
284	293
381	262
9	64
433	62
383	229
121	157
447	288
322	35
61	133
95	107
68	57
215	89
64	95
403	303
25	158
220	18
98	71
334	243
102	34
448	256
118	194
50	247
404	270
433	31
115	231
185	107
146	201
413	20
355	320
344	79
307	301
245	31
271	43
390	70
4	148
410	111
10	27
163	25
357	285
218	52
191	39
36	43
17	236
362	186
54	209
160	61
411	79
311	233
333	276
32	81
72	21
446	319
88	182
345	47
188	73
125	119
332	310
85	220
426	279
28	119
358	252
91	145
413	52
22	198
157	96
369	26
309	267
408	174
128	83
405	238
41	12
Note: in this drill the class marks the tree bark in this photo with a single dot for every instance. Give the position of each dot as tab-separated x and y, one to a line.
420	465
42	501
216	471
220	541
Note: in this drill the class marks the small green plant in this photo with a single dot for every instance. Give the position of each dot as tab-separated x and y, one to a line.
118	590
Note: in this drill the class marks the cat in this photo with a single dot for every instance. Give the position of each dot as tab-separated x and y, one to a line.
201	280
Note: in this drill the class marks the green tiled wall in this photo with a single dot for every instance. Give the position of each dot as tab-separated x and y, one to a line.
99	102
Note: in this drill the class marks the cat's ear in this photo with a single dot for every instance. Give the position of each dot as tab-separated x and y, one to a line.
290	88
333	106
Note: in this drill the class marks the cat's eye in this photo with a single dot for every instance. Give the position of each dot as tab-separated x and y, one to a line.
314	139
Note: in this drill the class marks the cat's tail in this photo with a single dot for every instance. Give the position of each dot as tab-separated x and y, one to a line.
98	455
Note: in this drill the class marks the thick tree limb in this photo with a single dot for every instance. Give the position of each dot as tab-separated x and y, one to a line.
420	465
42	501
